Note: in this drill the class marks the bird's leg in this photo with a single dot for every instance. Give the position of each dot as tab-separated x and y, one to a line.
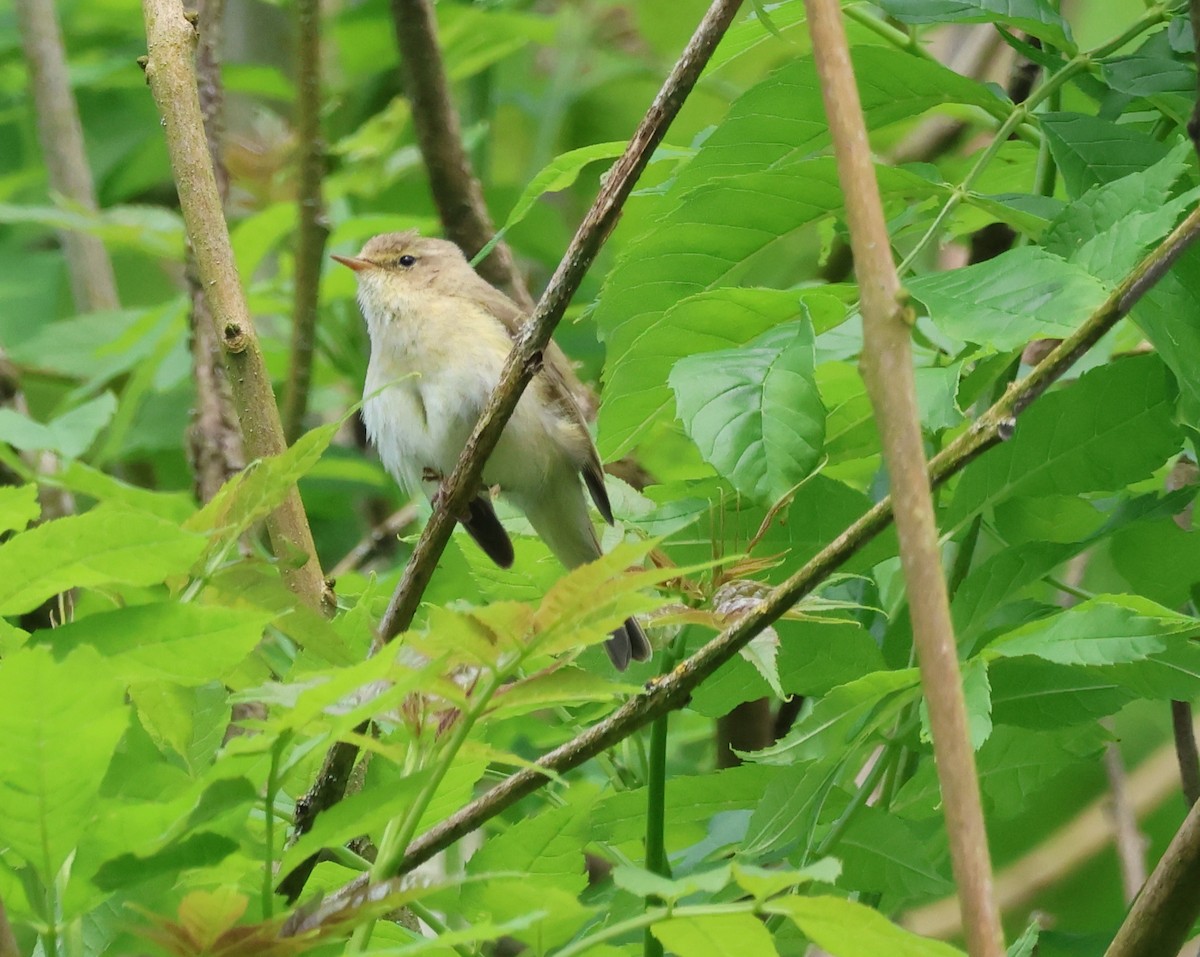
433	475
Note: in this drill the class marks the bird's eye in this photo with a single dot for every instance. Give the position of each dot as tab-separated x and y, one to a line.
406	260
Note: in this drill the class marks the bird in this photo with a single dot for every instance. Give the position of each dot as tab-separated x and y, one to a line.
440	334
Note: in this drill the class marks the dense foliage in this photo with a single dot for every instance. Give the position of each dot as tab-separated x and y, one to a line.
721	326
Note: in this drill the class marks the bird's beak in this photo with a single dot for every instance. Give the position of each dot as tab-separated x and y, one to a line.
358	265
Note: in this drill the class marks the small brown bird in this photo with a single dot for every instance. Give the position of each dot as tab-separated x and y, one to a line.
439	337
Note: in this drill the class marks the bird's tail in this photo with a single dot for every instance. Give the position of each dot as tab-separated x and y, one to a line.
627	642
562	520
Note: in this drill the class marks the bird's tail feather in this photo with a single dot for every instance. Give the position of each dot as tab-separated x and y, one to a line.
627	642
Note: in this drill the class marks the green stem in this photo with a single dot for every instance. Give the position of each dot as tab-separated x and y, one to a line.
900	39
399	833
272	788
1068	589
858	800
1155	14
438	926
656	796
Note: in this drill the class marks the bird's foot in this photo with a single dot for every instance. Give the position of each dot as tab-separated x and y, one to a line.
439	494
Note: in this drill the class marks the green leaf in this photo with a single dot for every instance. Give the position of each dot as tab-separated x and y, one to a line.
882	852
998	580
755	412
551	689
782	118
196	850
765	882
84	479
583	606
845	715
557	175
637	394
186	643
1111	427
60	721
98	346
1035	17
1164	315
789	806
1034	693
715	935
70	434
1025	293
1110	227
154	230
259	488
691	799
643	883
18	507
1015	765
847	929
1111	629
1090	150
544	847
109	544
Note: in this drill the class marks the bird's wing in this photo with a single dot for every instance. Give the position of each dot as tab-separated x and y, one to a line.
561	385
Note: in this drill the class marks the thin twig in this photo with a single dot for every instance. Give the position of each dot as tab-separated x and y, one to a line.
375	541
1128	839
523	362
1184	732
887	367
456	191
674	690
311	229
171	40
92	281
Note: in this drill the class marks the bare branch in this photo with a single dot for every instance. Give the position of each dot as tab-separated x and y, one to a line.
312	230
92	281
456	191
887	367
1163	914
171	38
1184	731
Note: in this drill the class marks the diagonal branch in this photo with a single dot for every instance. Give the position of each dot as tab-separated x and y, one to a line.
1163	914
887	368
526	357
673	690
456	191
171	41
520	368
